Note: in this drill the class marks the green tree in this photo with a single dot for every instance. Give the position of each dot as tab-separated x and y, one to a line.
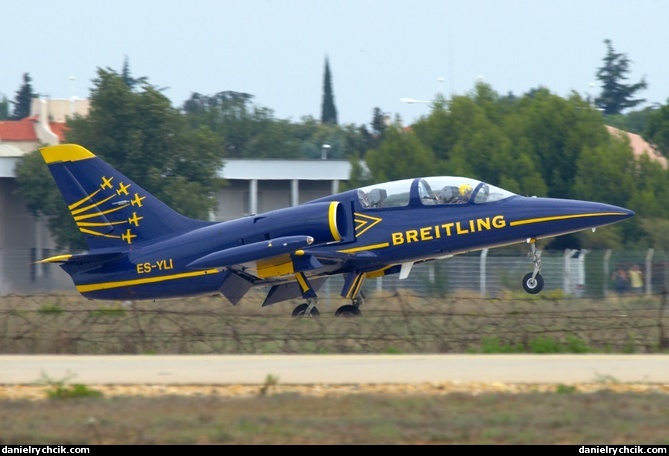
617	96
328	109
379	123
401	155
4	108
23	99
127	77
633	121
43	199
656	131
478	136
556	130
244	130
142	135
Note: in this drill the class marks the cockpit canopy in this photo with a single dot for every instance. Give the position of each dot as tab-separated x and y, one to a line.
431	190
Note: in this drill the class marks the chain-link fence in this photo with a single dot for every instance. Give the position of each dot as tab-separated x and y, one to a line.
488	273
401	322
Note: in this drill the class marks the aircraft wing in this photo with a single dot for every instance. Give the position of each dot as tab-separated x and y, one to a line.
289	274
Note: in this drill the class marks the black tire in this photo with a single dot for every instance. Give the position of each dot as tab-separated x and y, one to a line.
300	310
533	286
348	311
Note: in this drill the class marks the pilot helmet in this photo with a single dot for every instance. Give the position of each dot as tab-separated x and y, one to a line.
465	189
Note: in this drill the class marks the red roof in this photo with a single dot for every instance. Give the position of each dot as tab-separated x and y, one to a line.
24	129
18	130
59	128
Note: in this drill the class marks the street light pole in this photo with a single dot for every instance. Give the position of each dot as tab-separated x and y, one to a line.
324	151
412	100
72	97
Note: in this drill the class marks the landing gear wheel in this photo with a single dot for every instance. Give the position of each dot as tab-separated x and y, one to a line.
533	286
348	310
300	311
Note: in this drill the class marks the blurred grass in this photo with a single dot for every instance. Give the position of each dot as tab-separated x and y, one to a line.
602	417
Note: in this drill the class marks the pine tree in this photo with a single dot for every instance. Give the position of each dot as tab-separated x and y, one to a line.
4	108
616	96
23	100
328	109
131	82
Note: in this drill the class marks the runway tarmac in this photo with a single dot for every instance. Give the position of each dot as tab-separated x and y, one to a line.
333	369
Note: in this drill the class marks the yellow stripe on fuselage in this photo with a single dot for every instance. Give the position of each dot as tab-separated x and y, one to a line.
366	247
454	228
563	217
128	283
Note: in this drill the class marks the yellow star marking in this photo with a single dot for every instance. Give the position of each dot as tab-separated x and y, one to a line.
134	220
106	183
137	200
122	189
128	236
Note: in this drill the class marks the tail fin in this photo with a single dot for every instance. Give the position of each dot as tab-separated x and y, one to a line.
109	209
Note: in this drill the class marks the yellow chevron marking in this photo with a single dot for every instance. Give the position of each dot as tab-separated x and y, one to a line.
363	225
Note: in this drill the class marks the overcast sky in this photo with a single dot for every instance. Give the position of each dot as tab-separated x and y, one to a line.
379	50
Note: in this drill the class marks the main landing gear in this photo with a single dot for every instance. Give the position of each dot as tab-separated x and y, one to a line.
309	309
533	283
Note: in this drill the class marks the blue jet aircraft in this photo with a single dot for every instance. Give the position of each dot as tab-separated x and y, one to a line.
139	248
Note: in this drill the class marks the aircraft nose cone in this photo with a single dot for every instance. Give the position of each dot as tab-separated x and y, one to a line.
608	213
560	216
622	211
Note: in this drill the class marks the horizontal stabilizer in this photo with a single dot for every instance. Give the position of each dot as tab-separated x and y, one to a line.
85	258
251	252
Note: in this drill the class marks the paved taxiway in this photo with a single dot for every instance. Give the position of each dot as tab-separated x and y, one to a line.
333	369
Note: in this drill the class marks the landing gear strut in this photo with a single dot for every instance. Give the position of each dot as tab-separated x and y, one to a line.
351	310
308	309
533	283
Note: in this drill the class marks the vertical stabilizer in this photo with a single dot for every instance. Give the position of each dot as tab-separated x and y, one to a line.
109	209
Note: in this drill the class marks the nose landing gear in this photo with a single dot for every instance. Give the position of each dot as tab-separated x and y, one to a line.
533	282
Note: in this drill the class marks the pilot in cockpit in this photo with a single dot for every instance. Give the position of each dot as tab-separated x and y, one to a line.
464	193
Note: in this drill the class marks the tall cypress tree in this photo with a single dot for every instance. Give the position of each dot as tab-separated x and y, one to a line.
616	95
328	110
24	97
4	108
